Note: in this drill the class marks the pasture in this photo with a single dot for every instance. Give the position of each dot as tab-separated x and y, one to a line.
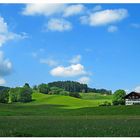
57	115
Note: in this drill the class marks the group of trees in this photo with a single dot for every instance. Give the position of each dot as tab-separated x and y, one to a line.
101	91
70	86
47	89
18	94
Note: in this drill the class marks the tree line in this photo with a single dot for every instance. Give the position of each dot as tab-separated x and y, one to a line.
17	94
24	94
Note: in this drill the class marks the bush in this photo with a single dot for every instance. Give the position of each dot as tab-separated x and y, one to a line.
4	96
66	93
58	91
75	94
106	103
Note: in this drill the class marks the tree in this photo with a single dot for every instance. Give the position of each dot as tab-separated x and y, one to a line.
35	87
118	97
44	88
14	94
26	85
4	96
25	94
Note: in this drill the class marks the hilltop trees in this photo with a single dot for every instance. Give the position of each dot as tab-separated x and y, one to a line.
44	88
70	86
118	97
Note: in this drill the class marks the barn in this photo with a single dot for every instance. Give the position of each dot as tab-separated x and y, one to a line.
132	98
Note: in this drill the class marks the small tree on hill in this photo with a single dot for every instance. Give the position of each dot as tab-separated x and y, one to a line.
14	94
118	97
25	94
4	96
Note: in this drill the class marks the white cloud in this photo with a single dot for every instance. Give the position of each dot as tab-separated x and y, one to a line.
2	81
112	28
84	80
73	10
6	35
43	9
49	62
104	17
5	67
53	9
76	59
70	71
58	25
137	89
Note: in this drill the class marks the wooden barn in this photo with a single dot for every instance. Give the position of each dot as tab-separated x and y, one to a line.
132	98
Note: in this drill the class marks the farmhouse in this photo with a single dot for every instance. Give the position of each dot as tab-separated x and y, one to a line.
132	98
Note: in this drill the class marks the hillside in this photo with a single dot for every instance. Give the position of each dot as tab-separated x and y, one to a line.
69	102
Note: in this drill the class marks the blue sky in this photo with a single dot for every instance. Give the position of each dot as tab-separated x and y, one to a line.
98	44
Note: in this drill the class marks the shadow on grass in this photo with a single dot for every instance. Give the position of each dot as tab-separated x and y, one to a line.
54	110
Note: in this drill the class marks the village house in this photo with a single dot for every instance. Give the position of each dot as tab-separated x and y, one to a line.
132	98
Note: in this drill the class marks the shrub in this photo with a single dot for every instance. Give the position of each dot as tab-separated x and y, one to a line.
58	91
75	94
4	96
106	103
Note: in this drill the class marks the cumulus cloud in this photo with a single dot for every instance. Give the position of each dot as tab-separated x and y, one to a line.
2	81
5	67
104	17
69	71
73	10
53	9
76	59
58	25
84	80
43	9
112	29
6	35
49	62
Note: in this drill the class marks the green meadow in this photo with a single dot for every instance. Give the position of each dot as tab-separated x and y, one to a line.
58	115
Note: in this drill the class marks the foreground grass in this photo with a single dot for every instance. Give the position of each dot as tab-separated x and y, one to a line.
69	126
54	115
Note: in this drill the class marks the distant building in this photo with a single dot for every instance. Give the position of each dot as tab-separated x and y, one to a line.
132	98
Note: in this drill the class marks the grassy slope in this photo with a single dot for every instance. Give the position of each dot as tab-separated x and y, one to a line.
67	101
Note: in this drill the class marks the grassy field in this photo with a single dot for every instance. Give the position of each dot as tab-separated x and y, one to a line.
56	115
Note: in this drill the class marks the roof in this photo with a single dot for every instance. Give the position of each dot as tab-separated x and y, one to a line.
133	93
